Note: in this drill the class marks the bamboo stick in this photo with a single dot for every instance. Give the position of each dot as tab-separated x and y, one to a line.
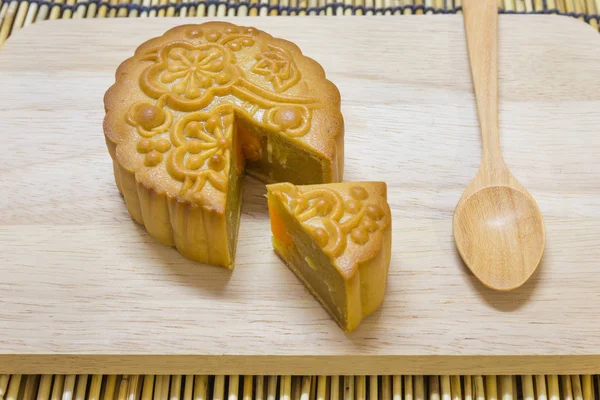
31	13
31	386
313	4
8	20
408	11
80	10
540	387
429	4
361	387
348	10
55	11
538	5
219	387
397	387
247	393
506	387
527	387
234	385
576	387
478	387
579	7
42	13
200	387
587	387
334	393
164	387
272	388
95	388
445	389
373	387
285	391
455	387
305	387
3	385
386	388
597	12
434	388
13	387
348	387
43	392
260	387
148	387
175	387
520	5
91	10
20	17
553	392
123	386
569	6
263	11
418	387
591	9
69	387
68	13
109	387
57	387
468	386
408	388
567	391
491	387
188	388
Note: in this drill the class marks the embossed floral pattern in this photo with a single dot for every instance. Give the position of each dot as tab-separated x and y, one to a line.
203	144
330	219
277	67
199	76
149	119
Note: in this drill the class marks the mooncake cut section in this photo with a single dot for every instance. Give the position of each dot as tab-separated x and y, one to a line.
337	239
195	109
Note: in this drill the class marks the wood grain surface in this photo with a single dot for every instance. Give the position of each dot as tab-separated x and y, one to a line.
84	289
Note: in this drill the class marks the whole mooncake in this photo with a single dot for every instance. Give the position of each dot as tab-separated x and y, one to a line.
194	109
337	238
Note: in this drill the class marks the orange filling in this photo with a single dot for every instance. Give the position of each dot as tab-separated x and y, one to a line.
278	228
247	148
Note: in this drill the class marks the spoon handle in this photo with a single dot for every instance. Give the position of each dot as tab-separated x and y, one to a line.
481	28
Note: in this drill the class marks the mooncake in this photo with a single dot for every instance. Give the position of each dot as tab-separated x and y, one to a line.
195	109
337	239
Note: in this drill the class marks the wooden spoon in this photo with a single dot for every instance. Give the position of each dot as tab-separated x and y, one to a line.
498	227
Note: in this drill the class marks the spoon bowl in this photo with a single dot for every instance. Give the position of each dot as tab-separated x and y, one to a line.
499	232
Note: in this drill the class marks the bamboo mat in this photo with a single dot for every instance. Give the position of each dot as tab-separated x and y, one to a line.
233	387
16	14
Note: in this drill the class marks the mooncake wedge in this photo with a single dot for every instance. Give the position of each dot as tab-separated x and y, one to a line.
337	239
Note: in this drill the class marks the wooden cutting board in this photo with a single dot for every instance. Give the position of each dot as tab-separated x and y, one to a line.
84	289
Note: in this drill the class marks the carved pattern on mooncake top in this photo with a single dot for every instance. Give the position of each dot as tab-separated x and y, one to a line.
331	220
197	74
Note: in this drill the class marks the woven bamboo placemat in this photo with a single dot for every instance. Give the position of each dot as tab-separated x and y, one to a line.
16	14
234	387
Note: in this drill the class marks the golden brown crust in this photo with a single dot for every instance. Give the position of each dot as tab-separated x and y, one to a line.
346	219
242	72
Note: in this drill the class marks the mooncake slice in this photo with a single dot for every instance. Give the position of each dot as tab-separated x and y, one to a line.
194	109
337	239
